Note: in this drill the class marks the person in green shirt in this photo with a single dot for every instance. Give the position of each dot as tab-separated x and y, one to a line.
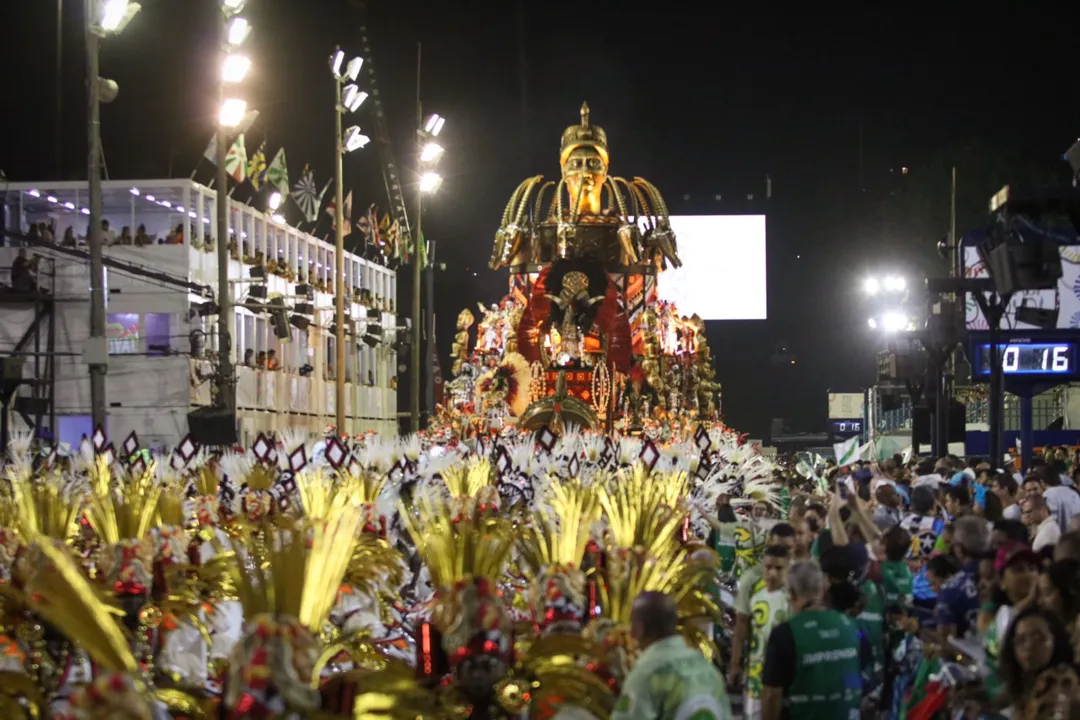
670	680
769	606
781	535
814	661
896	579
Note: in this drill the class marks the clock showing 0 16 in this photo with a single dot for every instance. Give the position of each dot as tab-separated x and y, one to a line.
1031	358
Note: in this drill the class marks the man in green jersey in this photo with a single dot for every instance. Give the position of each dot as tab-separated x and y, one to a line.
781	535
813	662
670	680
768	608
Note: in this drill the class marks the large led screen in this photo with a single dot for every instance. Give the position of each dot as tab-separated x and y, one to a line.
723	272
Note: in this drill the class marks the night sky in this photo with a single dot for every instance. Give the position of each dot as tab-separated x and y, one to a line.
702	99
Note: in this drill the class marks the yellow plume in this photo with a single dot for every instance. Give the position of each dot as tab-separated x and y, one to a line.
560	535
130	511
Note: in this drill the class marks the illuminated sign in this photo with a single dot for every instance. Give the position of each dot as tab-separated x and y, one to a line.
1029	358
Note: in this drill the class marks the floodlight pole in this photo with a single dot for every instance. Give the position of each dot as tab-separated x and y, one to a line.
226	386
339	262
96	352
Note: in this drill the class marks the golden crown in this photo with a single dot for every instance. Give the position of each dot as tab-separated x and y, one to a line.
583	135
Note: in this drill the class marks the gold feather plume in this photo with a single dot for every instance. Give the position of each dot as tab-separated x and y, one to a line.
298	572
127	512
644	510
43	506
453	551
171	504
559	533
466	480
59	592
207	482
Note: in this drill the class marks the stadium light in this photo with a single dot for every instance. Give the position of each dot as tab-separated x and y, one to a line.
887	284
894	321
430	182
232	112
235	68
238	32
871	286
354	139
431	153
434	124
275	201
116	14
353	97
231	7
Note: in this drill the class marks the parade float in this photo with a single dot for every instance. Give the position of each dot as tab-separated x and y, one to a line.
582	336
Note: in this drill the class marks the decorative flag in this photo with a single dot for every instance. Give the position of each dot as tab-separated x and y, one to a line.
211	151
236	160
256	169
847	452
331	210
392	240
277	174
307	195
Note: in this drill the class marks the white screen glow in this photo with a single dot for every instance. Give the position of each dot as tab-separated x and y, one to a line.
723	271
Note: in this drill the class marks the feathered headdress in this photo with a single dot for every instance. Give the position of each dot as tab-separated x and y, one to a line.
506	382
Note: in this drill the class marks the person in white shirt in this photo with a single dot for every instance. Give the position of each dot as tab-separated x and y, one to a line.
1041	523
1064	502
1006	488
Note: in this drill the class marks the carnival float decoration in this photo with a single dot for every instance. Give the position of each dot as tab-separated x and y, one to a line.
603	352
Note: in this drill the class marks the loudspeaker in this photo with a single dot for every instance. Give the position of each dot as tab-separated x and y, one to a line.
211	426
922	420
1025	266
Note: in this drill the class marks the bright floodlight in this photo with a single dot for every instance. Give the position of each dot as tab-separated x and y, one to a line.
352	98
116	14
335	63
895	284
873	323
871	286
430	182
232	112
275	201
894	321
232	6
352	70
434	125
279	219
235	68
239	29
354	139
431	152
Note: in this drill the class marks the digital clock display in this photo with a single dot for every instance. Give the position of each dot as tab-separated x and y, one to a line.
1030	358
841	427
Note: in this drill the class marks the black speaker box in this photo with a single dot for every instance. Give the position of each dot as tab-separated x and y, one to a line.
212	426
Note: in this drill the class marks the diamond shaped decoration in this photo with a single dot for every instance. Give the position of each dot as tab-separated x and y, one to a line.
298	459
262	448
131	444
609	446
110	453
99	439
649	454
287	482
503	463
702	439
354	466
272	456
139	466
703	469
176	462
574	465
187	449
335	453
546	438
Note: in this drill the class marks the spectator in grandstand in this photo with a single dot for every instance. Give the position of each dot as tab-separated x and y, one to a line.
260	360
1059	592
125	236
272	361
22	273
1016	568
888	512
1067	547
957	500
1041	524
814	661
1035	644
141	238
249	357
670	679
957	605
1006	531
939	569
1063	502
1006	488
69	240
750	583
108	235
